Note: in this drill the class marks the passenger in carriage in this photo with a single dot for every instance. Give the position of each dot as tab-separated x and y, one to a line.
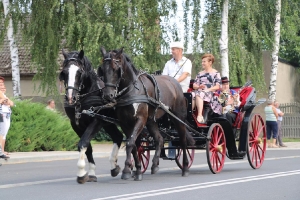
206	83
179	67
232	103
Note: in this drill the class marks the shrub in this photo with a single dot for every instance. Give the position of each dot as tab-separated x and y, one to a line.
102	136
34	128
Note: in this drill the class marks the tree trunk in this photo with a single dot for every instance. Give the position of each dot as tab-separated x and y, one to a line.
129	15
273	77
14	56
224	40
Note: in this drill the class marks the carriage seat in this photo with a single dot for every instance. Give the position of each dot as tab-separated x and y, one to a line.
206	105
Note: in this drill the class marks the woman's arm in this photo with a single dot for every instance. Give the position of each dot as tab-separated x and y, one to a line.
214	88
216	82
275	112
280	114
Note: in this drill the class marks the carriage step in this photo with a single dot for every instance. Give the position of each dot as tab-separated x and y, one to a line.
167	158
238	155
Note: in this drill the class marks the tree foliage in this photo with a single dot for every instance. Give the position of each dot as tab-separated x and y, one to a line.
250	32
50	25
146	27
290	31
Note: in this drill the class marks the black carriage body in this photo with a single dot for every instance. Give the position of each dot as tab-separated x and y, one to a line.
240	128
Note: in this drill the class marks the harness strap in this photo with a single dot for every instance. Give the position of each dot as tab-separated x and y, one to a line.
71	87
165	108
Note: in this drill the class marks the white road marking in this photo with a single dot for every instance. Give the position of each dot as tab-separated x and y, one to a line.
200	186
108	175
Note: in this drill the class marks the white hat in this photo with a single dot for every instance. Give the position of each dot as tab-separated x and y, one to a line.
177	45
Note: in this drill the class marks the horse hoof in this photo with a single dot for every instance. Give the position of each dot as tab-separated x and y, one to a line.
138	177
126	176
185	174
154	170
92	178
83	179
114	172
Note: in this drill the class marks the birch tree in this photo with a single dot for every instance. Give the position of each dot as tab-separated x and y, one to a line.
14	56
223	41
273	77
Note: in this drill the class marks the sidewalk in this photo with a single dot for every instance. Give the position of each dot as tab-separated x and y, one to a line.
99	151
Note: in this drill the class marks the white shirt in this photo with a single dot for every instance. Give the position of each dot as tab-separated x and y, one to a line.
183	65
279	111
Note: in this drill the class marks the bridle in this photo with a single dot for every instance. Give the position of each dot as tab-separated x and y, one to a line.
130	86
108	84
82	72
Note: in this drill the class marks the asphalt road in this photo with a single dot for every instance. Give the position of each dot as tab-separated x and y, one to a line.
277	179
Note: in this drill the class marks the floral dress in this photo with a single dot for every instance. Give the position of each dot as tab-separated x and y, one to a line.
209	80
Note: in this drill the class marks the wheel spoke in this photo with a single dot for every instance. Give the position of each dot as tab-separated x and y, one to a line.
260	130
216	161
222	144
143	163
219	138
144	156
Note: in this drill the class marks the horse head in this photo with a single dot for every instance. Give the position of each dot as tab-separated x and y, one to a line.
112	73
72	72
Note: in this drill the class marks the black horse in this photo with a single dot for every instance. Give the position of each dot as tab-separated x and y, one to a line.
83	90
139	98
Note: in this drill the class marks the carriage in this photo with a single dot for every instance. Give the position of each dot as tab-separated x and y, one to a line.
151	114
247	136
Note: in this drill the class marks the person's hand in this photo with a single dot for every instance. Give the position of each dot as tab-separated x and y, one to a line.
202	86
195	86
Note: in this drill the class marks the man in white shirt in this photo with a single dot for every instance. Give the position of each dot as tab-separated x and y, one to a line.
179	67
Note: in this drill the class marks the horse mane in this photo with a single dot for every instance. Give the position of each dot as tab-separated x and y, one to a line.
128	61
86	64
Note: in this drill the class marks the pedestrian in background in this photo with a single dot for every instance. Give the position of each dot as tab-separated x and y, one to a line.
271	122
279	121
51	105
3	99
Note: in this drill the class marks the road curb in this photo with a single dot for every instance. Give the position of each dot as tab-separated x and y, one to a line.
54	157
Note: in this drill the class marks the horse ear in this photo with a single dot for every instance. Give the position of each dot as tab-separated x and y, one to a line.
61	76
81	54
103	51
119	52
64	53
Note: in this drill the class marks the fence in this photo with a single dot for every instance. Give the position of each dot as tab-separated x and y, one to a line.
291	120
290	108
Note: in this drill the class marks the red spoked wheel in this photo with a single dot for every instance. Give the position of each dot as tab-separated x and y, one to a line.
179	157
216	148
256	145
144	156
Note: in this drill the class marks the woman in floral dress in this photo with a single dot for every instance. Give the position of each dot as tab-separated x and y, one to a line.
206	83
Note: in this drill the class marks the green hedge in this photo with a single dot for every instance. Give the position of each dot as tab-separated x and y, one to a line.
34	128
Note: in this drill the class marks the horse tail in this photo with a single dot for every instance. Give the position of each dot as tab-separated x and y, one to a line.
189	139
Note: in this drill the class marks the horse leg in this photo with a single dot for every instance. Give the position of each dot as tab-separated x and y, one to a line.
154	131
92	165
117	138
84	143
183	143
131	148
81	173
